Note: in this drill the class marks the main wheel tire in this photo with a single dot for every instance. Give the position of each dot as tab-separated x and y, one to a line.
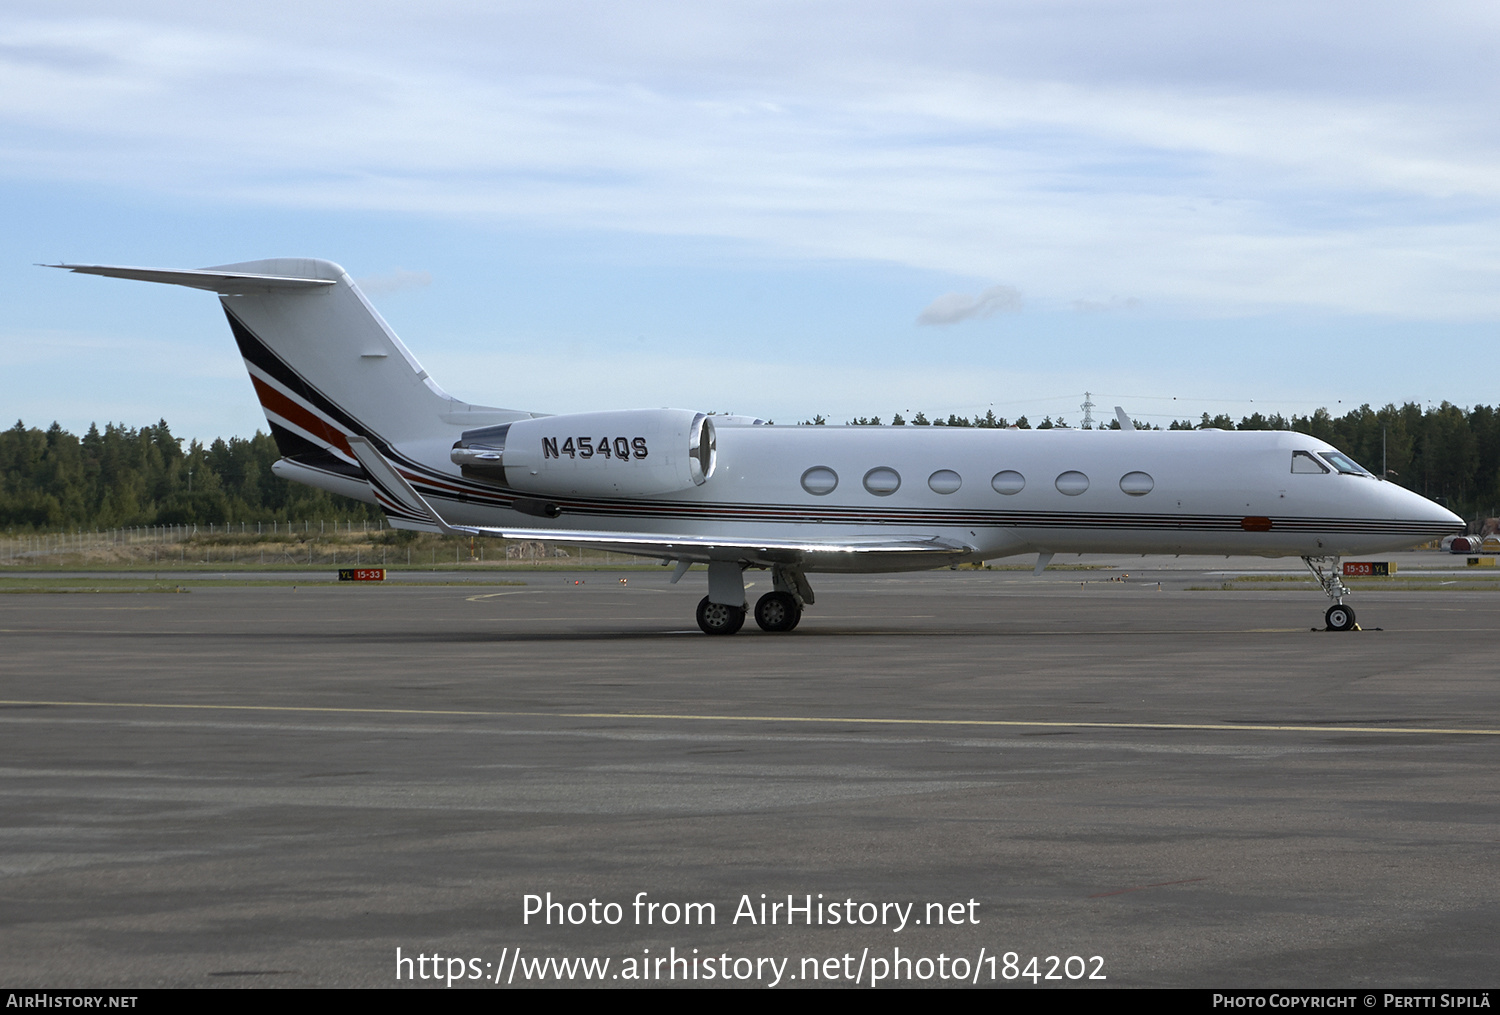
777	611
1339	618
716	618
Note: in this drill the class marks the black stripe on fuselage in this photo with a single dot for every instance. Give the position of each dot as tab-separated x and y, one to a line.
461	490
628	515
381	496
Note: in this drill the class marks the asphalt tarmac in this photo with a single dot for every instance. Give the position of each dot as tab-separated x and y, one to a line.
271	786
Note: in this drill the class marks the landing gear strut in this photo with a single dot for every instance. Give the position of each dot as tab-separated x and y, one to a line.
1326	570
781	610
723	610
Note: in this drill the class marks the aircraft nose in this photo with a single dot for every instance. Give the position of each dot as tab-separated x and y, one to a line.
1418	508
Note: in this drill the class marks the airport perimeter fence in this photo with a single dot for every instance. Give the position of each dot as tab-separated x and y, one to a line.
306	543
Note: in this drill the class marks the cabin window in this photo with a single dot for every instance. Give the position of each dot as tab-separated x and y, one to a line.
1072	483
1305	462
820	480
945	481
1137	484
1008	482
1343	463
882	482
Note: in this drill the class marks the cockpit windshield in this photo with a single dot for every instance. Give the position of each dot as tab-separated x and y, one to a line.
1343	463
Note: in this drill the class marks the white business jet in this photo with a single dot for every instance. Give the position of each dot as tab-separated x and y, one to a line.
354	413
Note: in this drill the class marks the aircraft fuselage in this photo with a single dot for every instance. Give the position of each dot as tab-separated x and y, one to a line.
1001	492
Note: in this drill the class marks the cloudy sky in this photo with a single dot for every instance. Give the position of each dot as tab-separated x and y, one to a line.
762	207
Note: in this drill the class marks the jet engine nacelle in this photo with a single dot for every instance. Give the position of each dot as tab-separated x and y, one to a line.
630	453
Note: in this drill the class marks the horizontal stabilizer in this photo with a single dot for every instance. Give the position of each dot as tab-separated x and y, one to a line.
226	283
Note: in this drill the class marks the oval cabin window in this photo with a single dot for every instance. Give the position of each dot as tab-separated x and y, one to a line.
1008	482
945	481
882	482
1137	484
1072	483
820	480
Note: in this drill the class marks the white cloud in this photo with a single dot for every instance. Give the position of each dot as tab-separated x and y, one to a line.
1225	162
951	308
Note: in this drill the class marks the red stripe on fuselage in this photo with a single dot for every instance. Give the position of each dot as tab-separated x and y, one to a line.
274	401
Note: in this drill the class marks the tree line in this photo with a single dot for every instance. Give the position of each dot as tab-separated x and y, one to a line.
119	476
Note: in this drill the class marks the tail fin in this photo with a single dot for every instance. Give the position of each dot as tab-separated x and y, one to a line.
325	366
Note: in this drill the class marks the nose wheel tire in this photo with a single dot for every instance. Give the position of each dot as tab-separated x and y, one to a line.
777	611
716	618
1339	618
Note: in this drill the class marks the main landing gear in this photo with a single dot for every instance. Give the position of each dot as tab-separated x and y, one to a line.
1326	570
723	610
778	611
719	618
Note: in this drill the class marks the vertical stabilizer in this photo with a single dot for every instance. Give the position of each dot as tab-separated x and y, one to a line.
324	364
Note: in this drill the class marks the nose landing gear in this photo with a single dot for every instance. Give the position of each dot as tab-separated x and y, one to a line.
1326	570
1339	618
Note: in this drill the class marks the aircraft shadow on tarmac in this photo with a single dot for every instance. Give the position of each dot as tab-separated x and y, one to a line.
637	634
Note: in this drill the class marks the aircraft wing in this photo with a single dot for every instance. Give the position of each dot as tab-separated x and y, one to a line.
895	552
898	551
